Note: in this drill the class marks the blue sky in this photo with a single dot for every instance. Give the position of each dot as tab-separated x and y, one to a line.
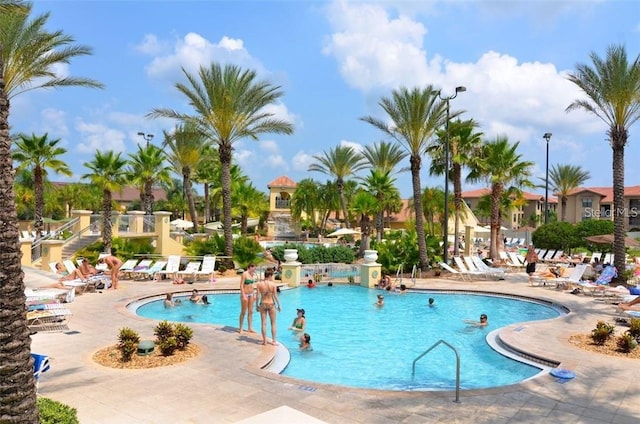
334	61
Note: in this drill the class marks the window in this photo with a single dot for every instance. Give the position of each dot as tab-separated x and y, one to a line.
587	202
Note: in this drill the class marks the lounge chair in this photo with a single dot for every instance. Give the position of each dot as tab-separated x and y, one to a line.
595	255
191	269
50	319
452	271
44	294
40	366
208	268
139	270
483	267
466	271
154	270
608	273
173	266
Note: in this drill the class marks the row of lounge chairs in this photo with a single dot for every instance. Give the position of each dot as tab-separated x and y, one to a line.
472	267
147	269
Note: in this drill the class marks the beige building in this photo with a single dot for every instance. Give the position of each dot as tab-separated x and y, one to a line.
586	203
279	223
528	211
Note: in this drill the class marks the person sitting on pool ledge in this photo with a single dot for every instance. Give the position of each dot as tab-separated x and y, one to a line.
482	323
380	302
305	342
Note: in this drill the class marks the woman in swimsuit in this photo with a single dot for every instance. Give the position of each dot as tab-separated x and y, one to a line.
247	297
299	322
268	302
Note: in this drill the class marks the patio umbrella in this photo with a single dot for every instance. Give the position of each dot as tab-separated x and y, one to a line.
181	224
608	239
343	232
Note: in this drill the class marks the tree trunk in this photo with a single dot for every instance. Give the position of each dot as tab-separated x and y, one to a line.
496	198
148	198
416	161
457	201
186	181
619	139
563	201
17	386
207	206
379	225
106	221
225	153
38	188
343	204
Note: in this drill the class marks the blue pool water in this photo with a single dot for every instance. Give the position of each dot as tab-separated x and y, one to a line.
359	345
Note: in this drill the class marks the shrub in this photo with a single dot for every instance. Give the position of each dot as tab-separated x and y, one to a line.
626	343
53	412
634	329
128	341
183	335
171	337
602	332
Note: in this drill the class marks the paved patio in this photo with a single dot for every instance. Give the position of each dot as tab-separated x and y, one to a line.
224	384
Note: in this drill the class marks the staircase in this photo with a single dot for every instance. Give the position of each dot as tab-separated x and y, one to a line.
78	243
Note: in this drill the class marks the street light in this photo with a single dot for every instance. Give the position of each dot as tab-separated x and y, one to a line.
459	89
546	136
147	137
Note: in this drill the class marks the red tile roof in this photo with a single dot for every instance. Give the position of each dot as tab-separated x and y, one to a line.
282	181
480	192
127	194
606	193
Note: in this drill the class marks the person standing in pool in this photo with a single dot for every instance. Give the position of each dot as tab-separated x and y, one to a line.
305	342
380	302
267	303
299	322
482	323
247	297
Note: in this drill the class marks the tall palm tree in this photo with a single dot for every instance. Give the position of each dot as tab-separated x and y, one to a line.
17	388
502	168
248	201
305	201
365	205
612	89
565	178
339	163
384	156
185	145
433	206
229	105
147	168
464	144
71	196
205	174
381	185
39	154
415	115
108	170
31	54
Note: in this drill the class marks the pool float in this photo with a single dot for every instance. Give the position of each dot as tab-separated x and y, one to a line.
562	373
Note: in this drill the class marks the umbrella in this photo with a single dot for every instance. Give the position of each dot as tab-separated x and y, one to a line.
343	232
608	239
181	223
479	229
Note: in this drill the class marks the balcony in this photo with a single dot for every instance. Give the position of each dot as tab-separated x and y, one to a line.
283	204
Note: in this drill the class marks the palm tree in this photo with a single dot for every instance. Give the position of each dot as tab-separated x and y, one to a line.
146	168
185	145
612	89
107	171
71	195
31	53
565	178
381	185
248	201
305	202
464	144
415	115
205	174
384	156
433	206
365	205
39	154
339	163
17	388
229	105
501	167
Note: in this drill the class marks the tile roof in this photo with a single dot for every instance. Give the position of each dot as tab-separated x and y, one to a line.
477	193
606	192
282	181
127	194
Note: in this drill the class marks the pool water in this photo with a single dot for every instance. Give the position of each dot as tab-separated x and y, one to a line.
360	345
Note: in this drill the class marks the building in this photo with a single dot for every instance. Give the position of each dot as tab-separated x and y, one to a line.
585	203
528	211
279	222
127	196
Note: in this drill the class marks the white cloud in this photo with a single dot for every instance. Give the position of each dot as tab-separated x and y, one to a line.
277	162
54	123
301	161
150	45
269	146
280	111
357	147
99	137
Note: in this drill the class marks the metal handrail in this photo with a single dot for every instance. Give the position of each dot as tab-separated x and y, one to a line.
35	246
399	274
413	369
414	271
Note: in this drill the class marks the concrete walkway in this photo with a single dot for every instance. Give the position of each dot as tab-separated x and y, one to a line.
224	384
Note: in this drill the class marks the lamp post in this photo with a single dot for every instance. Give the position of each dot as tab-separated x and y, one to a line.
459	89
546	136
147	137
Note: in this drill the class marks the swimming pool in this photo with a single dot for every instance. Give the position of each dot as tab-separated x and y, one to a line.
359	345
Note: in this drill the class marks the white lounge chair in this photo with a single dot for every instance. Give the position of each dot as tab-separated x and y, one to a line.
466	271
173	266
191	269
482	267
208	268
452	271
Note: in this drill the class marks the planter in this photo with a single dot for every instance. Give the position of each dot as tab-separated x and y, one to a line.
290	255
370	256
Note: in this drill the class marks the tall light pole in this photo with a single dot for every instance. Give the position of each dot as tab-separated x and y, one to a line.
459	89
147	137
546	136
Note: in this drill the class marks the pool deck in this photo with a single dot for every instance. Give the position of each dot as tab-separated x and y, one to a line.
224	384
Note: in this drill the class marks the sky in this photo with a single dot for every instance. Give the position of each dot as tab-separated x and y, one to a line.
334	61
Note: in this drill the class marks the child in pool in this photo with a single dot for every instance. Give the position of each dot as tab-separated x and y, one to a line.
305	342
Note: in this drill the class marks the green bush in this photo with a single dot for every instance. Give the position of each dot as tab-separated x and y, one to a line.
128	341
123	248
401	248
183	335
316	255
556	235
634	329
626	343
53	412
602	332
168	346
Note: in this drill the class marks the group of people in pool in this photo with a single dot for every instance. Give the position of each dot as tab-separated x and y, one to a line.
263	294
195	297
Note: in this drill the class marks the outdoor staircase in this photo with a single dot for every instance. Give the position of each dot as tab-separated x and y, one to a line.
78	243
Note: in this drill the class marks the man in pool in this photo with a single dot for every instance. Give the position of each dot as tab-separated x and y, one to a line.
432	302
380	302
482	323
305	342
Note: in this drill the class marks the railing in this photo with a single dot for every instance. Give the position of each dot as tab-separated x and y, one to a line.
334	272
399	273
413	368
283	204
414	273
36	250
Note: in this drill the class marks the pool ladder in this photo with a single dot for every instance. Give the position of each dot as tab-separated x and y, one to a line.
413	368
